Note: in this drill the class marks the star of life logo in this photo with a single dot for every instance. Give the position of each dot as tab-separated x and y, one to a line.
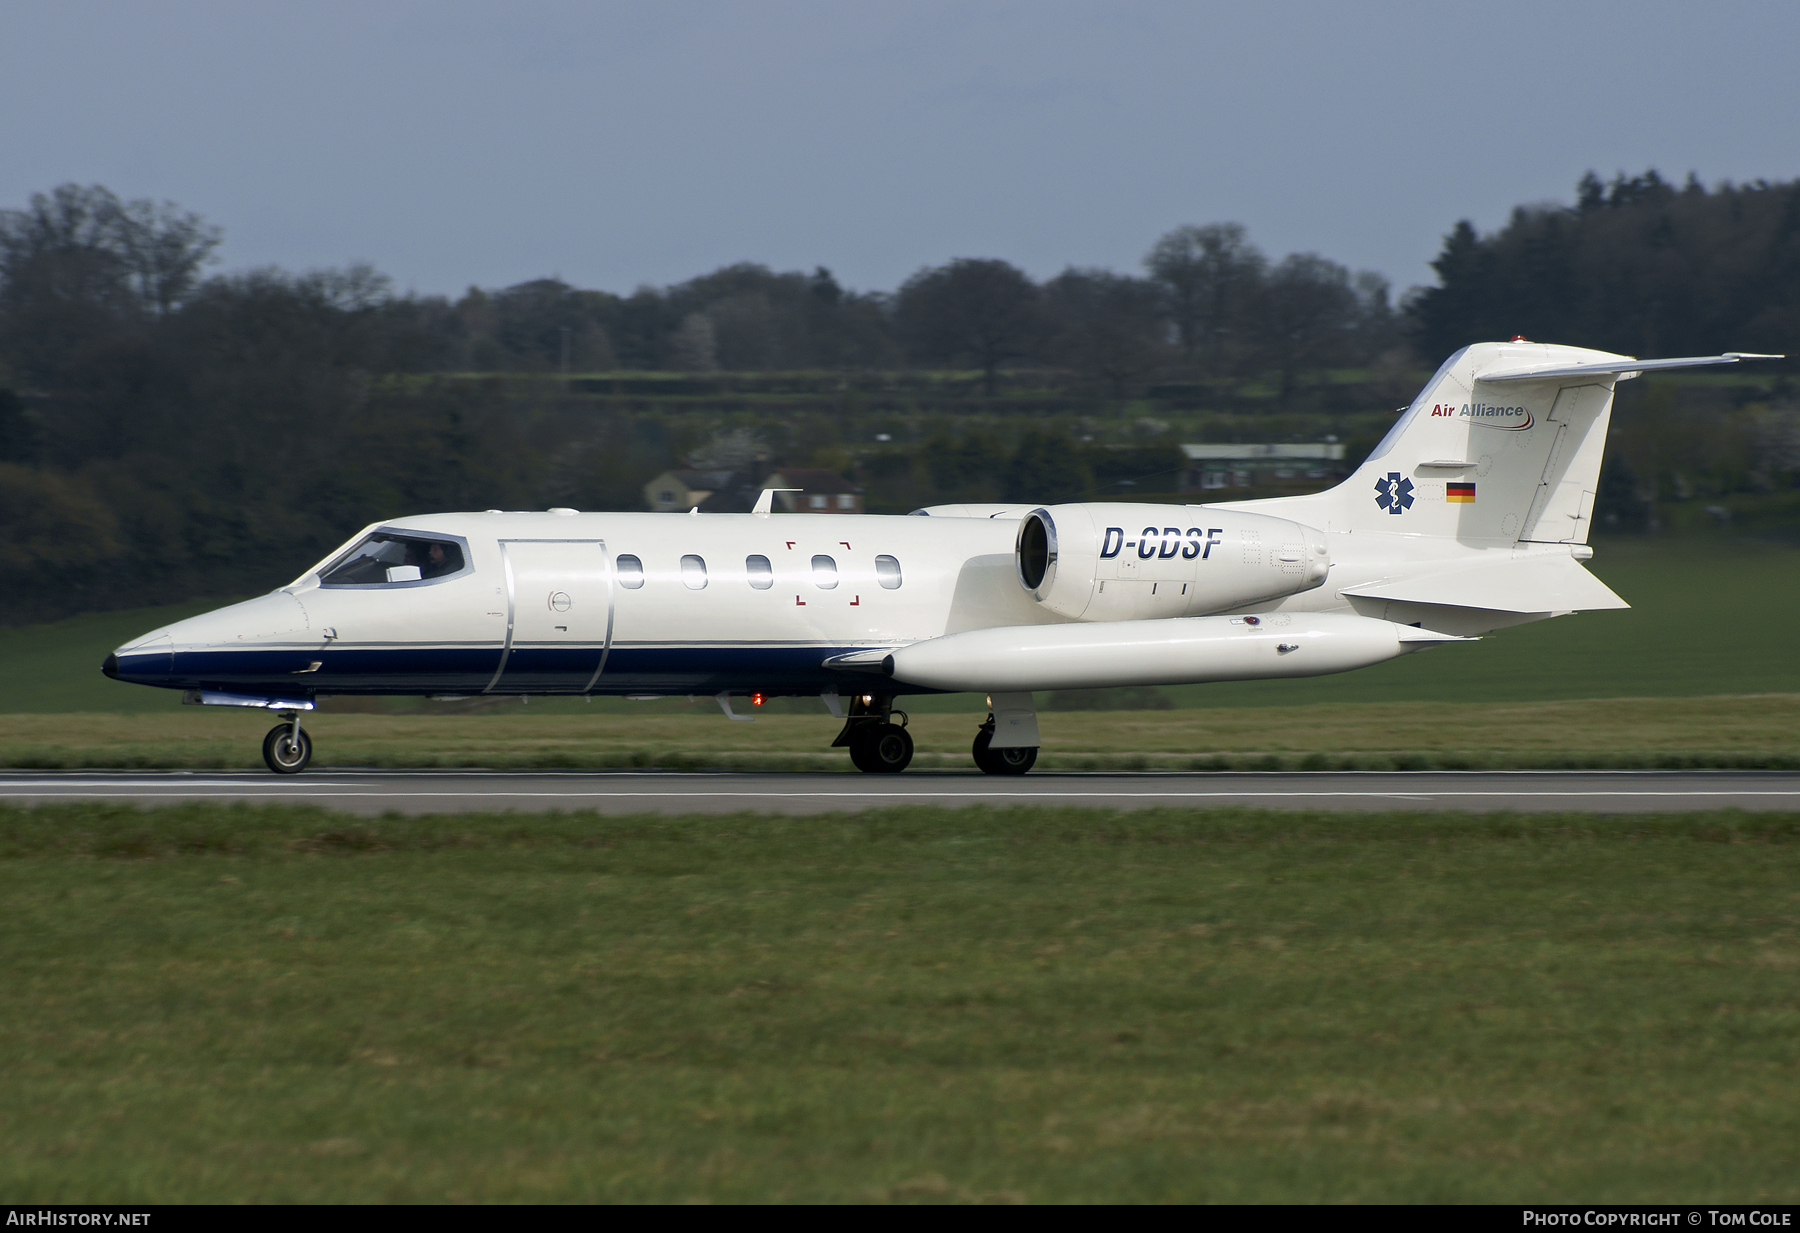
1394	493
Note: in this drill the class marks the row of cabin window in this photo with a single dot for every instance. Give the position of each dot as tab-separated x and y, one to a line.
759	572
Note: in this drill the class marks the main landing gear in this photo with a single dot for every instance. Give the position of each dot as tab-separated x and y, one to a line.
880	746
1012	717
287	749
877	744
1001	761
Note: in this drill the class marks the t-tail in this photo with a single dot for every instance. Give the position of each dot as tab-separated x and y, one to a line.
1475	509
1503	446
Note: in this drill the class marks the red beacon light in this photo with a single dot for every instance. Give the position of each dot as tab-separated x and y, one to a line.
1520	338
756	699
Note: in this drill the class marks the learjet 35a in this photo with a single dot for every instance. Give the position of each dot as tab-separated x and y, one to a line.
1471	515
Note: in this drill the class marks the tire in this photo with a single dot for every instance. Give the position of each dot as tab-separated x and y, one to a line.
282	754
881	749
1002	761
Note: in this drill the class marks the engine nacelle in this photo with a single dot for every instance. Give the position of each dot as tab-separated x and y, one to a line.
1116	562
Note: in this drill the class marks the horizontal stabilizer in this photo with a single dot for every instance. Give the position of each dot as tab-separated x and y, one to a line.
1545	583
1623	365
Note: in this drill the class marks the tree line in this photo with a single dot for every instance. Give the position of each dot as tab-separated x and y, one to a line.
168	432
1637	266
1208	300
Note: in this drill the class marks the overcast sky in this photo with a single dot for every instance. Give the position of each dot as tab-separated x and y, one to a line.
617	144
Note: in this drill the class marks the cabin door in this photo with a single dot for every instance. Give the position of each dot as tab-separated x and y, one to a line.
559	615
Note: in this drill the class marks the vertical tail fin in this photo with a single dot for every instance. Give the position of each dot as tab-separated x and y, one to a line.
1502	446
1481	461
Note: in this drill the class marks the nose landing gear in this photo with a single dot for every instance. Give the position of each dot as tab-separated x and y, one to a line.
287	749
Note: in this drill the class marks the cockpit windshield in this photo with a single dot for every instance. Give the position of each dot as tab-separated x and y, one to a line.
386	558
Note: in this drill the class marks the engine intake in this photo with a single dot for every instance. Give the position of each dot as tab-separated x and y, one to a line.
1116	562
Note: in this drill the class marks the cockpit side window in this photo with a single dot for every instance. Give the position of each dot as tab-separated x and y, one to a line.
396	558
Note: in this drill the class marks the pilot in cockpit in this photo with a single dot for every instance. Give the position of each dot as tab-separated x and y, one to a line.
430	557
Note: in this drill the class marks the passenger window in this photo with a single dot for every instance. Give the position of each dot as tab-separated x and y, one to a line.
631	572
389	557
824	573
887	573
693	572
762	574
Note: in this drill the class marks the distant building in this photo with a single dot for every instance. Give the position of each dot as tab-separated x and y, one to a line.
683	490
1212	467
727	492
821	492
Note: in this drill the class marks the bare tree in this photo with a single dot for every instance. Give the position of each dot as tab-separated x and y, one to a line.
78	264
164	247
1209	278
695	348
975	309
150	252
1106	325
1307	318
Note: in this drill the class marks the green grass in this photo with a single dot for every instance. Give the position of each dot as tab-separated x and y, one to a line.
1709	615
210	1004
55	668
1761	731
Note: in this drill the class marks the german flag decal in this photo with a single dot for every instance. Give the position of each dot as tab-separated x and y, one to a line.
1463	494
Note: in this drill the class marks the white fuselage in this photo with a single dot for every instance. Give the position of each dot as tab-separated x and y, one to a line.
544	607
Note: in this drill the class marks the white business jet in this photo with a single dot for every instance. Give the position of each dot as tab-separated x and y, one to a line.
1471	515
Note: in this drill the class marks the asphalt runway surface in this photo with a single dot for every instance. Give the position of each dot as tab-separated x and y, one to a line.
373	792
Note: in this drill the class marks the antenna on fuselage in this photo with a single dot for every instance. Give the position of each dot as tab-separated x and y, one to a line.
765	504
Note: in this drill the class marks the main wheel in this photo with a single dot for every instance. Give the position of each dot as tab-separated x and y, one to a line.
284	754
881	749
1002	761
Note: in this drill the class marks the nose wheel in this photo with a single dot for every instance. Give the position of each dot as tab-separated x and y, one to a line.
287	749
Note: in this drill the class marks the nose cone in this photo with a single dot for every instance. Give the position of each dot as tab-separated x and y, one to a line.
188	653
143	661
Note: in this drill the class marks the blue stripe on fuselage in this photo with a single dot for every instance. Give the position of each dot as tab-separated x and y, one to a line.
433	670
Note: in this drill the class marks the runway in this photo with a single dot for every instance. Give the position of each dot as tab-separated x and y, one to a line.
372	792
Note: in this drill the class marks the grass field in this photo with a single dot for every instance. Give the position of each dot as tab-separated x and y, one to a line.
210	1004
1718	732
